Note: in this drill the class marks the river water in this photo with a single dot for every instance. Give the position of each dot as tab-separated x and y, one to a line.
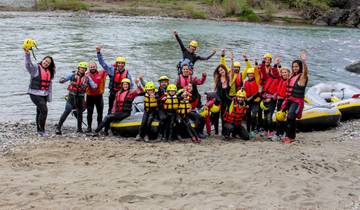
151	49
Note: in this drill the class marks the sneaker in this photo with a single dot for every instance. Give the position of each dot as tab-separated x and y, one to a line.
195	139
275	138
146	139
58	131
270	134
252	135
79	131
139	138
106	133
202	136
88	130
288	140
43	134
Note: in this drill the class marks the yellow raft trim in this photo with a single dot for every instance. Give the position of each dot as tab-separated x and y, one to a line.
347	105
316	114
129	124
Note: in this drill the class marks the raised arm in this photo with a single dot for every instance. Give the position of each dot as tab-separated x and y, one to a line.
30	67
109	69
304	75
183	48
208	57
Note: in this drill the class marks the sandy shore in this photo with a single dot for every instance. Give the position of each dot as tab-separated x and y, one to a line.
320	171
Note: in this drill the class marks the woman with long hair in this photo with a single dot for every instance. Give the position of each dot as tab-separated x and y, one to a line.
40	88
221	86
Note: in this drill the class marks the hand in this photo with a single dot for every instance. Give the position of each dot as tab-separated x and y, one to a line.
214	51
277	60
175	33
203	74
98	48
62	80
244	55
141	77
260	89
137	81
303	55
223	52
256	62
232	55
26	51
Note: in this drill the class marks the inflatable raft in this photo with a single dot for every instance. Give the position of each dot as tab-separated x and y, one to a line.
344	97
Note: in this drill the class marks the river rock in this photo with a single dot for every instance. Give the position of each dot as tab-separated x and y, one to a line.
354	67
333	17
354	18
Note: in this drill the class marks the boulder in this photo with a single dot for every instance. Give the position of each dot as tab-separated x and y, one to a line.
354	67
333	17
354	18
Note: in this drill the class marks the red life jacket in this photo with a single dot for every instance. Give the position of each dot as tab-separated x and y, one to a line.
183	81
264	76
122	103
99	79
271	85
117	78
293	89
77	84
194	102
251	88
238	82
237	115
282	89
42	80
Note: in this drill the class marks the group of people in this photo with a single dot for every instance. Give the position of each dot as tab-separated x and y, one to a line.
245	100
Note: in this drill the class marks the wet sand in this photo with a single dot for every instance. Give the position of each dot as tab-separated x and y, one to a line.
320	171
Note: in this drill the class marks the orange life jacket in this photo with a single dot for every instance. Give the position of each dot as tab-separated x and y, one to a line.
122	102
251	88
282	89
42	81
99	79
77	84
237	115
117	78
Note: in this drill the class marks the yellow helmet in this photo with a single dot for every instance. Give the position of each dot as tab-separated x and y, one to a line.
163	78
237	64
171	87
215	109
194	43
263	106
125	80
241	93
204	112
120	60
150	86
268	55
280	116
250	71
29	44
83	64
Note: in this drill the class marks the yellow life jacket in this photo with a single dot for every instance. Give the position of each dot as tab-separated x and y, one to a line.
171	103
150	102
184	106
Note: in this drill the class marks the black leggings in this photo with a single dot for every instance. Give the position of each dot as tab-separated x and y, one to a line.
169	125
185	124
110	118
111	100
230	128
91	102
268	114
252	117
41	111
292	108
147	120
74	102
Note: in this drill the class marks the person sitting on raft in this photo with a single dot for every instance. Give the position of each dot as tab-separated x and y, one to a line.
253	98
190	53
295	93
95	97
116	72
170	103
234	116
40	88
186	77
184	111
122	106
280	96
150	111
77	89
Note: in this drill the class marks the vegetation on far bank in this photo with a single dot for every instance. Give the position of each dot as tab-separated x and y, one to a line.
243	10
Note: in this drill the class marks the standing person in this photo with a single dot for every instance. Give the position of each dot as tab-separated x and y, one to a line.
190	52
221	83
40	88
170	103
163	84
295	93
150	111
77	90
281	95
116	72
268	104
186	77
95	97
122	106
252	90
234	115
